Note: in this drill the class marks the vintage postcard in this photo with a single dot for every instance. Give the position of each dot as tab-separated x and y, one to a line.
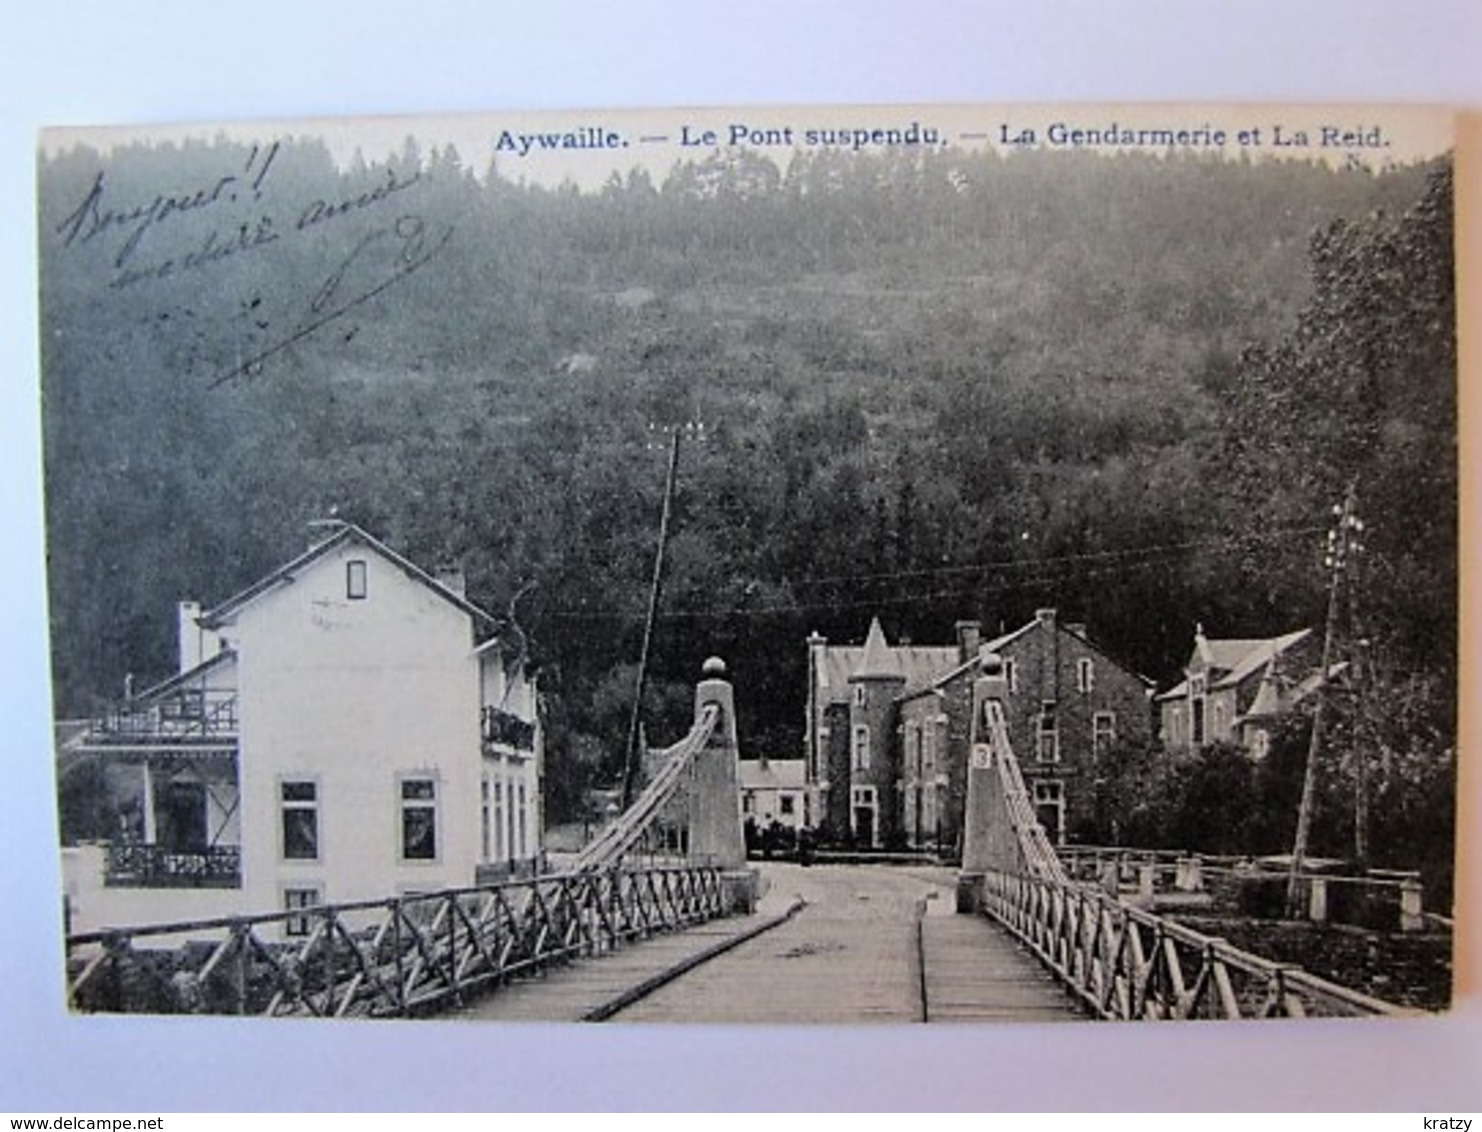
943	563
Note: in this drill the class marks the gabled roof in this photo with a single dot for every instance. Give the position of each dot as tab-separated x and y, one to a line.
770	774
347	533
1178	692
1232	661
1258	655
999	644
942	678
184	679
1276	697
1268	701
836	665
1223	655
915	662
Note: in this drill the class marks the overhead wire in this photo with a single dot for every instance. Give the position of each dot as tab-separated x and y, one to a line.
1048	570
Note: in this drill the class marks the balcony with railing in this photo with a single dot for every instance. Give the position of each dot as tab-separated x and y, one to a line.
184	717
505	732
134	865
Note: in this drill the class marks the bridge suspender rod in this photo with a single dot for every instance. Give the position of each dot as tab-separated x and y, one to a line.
619	837
632	755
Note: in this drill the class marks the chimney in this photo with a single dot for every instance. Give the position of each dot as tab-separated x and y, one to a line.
1078	628
196	645
969	638
1045	617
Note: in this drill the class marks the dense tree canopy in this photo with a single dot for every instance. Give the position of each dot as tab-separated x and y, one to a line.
929	387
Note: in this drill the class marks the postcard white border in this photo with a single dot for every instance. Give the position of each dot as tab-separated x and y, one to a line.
93	62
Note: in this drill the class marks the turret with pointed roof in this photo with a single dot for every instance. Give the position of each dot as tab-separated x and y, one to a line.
878	661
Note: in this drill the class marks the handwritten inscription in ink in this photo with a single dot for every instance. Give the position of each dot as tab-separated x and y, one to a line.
149	239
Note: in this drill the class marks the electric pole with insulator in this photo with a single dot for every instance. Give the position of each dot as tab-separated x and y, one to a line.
1343	540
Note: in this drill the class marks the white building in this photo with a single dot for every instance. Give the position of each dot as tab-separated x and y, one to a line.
345	729
773	790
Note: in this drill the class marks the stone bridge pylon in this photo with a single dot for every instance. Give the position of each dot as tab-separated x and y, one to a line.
692	800
1000	831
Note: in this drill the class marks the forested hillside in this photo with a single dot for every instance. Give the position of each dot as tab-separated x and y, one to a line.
928	387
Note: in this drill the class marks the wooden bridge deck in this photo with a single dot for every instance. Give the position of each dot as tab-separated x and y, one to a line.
851	955
975	972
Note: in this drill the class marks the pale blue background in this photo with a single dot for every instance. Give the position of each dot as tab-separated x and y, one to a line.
94	62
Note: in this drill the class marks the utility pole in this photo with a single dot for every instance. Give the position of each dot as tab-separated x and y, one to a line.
1340	541
1362	665
633	754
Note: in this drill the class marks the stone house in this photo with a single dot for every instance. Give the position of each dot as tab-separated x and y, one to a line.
1234	690
897	774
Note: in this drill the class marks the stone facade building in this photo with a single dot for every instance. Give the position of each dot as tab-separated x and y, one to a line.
1235	690
889	729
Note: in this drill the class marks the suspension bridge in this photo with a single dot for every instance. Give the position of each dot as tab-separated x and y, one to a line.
661	917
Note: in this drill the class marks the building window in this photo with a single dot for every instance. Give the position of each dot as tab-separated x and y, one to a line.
1011	674
785	805
509	821
1049	809
524	847
498	819
748	802
1103	732
1047	746
418	819
355	580
1260	743
484	823
295	899
1197	687
300	801
859	695
1085	674
861	759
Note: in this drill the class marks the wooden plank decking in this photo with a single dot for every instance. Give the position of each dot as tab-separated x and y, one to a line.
849	956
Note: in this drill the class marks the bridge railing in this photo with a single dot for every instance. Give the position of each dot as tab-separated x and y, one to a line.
1381	899
405	956
1123	961
1126	963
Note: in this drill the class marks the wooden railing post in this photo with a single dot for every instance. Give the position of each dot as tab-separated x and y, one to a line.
1412	910
1317	899
239	930
1147	880
1189	874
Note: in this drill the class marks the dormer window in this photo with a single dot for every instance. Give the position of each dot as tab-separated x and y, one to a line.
355	580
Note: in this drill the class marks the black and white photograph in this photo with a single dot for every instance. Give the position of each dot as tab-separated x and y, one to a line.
861	565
